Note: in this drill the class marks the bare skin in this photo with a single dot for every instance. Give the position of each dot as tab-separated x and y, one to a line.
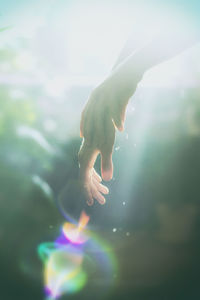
104	118
103	114
106	107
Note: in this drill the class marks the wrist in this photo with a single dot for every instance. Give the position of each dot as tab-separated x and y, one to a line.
125	78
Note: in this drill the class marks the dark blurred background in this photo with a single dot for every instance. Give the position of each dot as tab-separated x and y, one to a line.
52	54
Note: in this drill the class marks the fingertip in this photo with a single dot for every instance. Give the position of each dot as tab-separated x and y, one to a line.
106	175
88	197
106	192
90	202
102	201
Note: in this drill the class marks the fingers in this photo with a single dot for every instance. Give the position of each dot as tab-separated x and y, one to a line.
92	189
90	201
102	188
99	134
88	196
100	198
96	176
96	192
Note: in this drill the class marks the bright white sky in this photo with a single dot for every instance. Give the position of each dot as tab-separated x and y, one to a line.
81	41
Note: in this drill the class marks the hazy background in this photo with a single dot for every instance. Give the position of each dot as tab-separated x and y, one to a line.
52	54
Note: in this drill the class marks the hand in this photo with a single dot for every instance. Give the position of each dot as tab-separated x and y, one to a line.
103	113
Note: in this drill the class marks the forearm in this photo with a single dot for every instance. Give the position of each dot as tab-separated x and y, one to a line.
131	70
137	39
163	48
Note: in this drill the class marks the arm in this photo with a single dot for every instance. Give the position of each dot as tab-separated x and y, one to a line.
105	110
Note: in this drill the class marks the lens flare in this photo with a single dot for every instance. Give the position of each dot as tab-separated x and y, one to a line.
77	234
63	272
76	255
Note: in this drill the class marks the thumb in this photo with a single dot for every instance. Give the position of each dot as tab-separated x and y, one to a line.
106	165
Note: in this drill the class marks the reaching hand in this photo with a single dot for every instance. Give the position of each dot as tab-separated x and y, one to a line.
101	116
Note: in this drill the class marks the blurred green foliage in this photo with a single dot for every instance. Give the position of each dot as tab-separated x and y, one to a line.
156	168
